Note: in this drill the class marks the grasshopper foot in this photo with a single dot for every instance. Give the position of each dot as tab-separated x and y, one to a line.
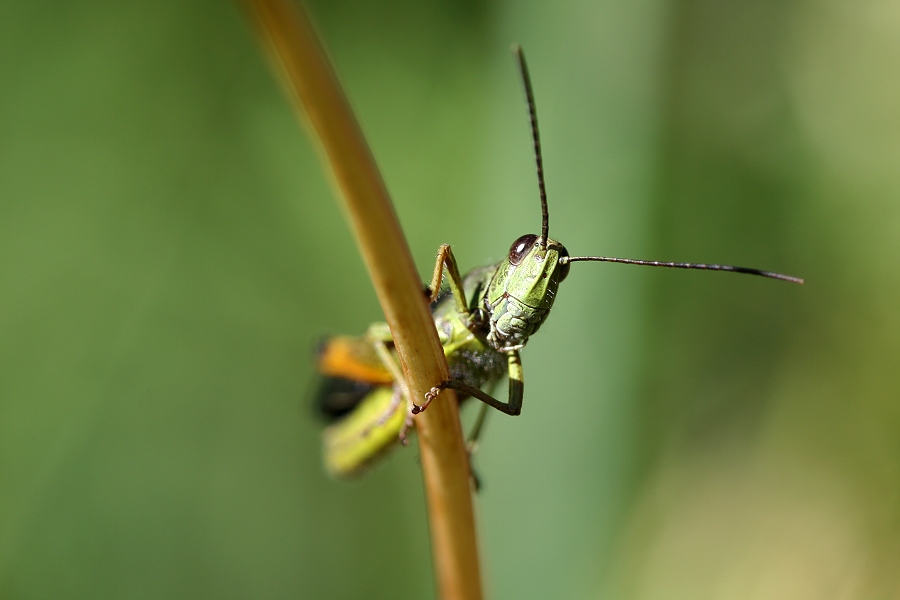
430	395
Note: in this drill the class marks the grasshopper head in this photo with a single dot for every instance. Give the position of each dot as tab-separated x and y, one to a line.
522	290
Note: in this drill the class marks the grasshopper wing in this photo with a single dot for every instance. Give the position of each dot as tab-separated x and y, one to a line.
357	392
351	369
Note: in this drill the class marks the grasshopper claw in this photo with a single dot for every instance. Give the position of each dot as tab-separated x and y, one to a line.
430	395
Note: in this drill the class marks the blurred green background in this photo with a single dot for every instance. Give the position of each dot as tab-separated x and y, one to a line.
170	252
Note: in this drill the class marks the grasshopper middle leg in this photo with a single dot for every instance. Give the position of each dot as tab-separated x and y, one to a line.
513	405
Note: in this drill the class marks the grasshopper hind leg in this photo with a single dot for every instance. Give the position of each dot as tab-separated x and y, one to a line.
379	335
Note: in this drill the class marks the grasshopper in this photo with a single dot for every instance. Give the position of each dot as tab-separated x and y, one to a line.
483	320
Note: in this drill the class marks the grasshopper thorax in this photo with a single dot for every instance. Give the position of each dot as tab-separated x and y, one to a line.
522	290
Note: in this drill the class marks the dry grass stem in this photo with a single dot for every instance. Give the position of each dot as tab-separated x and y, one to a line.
308	75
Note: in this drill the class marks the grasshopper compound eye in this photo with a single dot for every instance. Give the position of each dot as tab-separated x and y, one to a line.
520	248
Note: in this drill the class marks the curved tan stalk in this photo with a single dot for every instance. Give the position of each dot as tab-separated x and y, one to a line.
314	87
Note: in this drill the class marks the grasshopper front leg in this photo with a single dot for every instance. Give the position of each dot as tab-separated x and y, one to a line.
513	405
445	259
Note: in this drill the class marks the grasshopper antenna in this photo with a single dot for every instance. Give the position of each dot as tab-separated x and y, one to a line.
529	95
545	218
677	265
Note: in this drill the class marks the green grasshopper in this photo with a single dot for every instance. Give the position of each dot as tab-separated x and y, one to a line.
483	321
